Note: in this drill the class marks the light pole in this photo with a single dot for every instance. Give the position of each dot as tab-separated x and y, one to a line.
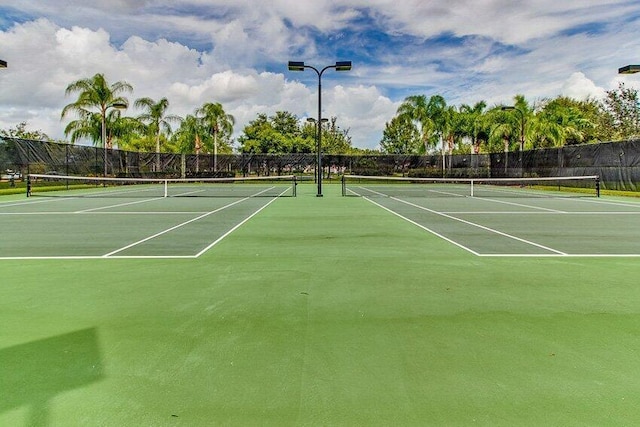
513	108
300	66
314	121
117	106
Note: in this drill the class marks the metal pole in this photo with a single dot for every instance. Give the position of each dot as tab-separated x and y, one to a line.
66	162
319	154
521	146
104	141
215	151
521	140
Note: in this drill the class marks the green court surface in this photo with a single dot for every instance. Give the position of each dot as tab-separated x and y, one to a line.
448	311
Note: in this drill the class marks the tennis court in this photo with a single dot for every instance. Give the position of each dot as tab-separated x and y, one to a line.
130	221
510	220
380	309
121	227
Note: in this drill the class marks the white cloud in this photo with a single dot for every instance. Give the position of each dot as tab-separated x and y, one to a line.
224	51
157	69
578	86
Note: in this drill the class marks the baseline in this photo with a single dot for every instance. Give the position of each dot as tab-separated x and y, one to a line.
482	227
115	254
146	239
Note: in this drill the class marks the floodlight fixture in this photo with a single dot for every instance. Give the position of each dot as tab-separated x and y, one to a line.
119	105
343	66
296	66
3	64
629	69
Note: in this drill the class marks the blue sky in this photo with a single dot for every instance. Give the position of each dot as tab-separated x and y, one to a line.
235	52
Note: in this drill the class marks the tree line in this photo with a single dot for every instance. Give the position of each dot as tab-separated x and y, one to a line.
99	117
421	125
428	124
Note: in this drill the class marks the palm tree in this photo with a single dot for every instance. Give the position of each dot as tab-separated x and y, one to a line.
95	94
89	125
452	130
428	114
504	130
156	121
217	121
524	120
187	137
561	121
474	124
86	126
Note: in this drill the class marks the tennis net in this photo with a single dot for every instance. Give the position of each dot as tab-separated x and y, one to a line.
83	186
372	186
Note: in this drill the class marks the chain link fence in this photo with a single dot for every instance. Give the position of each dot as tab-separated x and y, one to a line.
617	163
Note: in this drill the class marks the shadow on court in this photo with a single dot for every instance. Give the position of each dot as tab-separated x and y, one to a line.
33	373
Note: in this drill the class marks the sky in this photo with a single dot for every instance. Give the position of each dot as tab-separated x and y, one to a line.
235	52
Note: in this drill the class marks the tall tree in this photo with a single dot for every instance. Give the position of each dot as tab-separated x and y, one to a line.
504	130
622	108
156	120
219	123
400	136
187	137
515	126
285	123
335	140
21	131
95	95
452	128
427	114
260	136
474	123
561	121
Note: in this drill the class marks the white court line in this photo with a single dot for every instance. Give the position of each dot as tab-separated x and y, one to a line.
146	239
446	193
550	212
603	202
103	213
110	256
604	213
520	204
46	199
237	226
72	257
528	242
560	255
33	202
79	194
183	224
435	233
119	205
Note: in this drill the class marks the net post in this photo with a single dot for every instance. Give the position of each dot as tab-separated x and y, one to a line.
166	188
472	181
344	186
295	186
28	185
598	186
